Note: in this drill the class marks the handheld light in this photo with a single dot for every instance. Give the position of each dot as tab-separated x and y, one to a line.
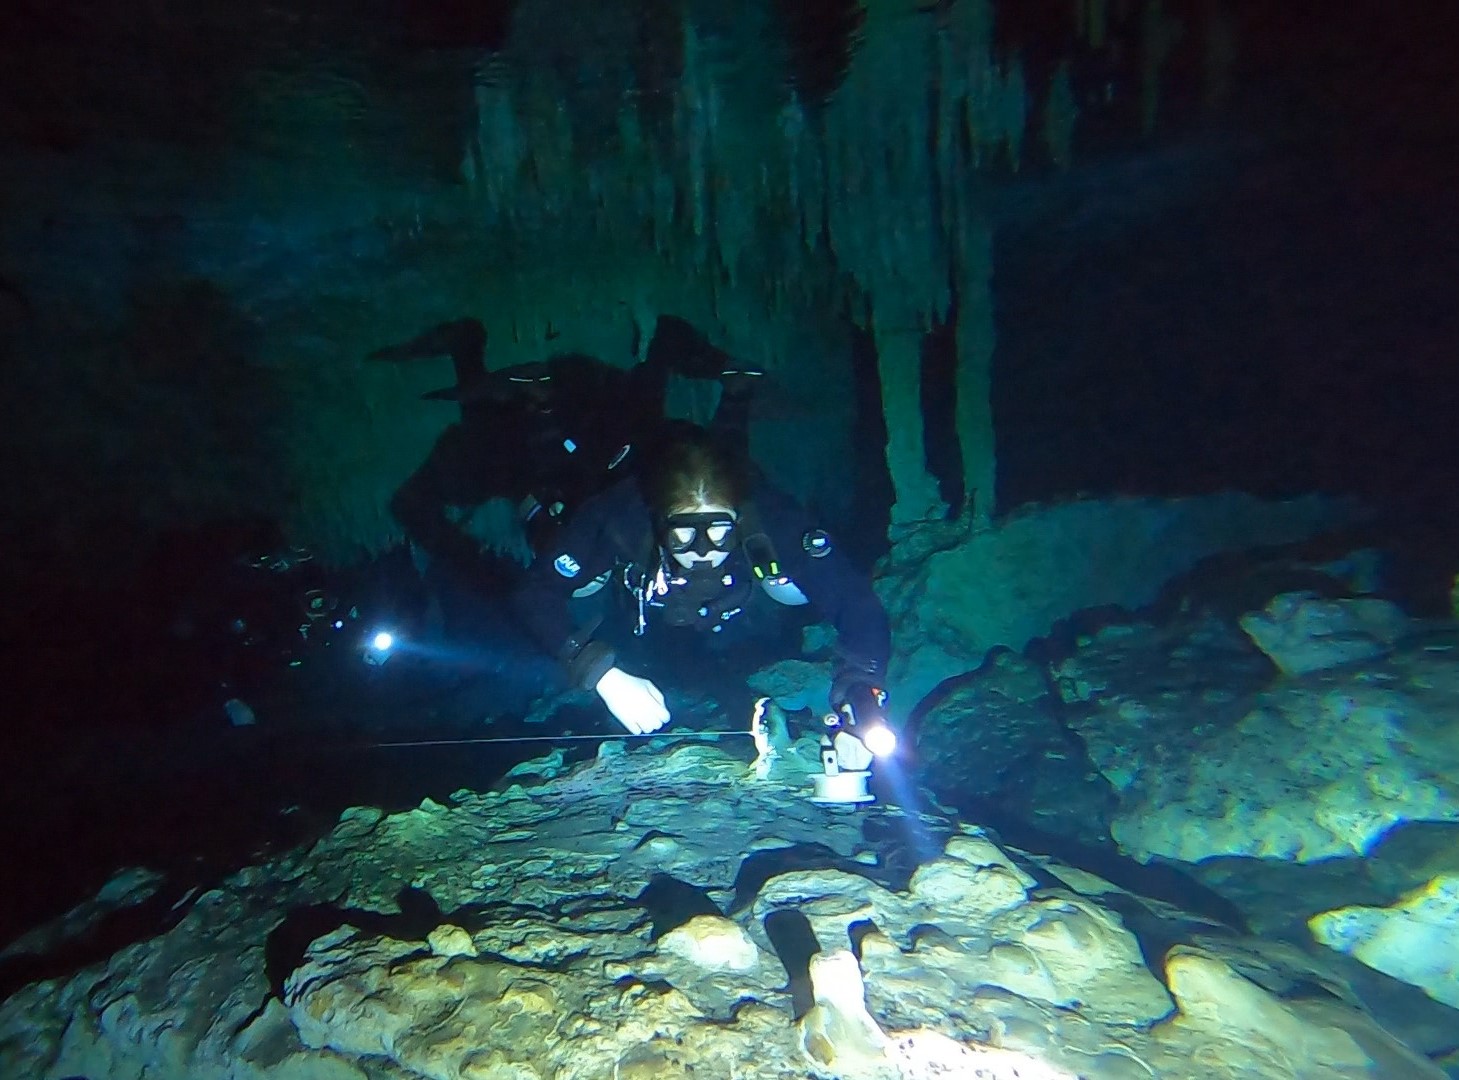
879	739
378	647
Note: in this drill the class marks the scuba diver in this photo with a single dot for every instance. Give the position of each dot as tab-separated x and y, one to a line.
223	611
695	541
543	436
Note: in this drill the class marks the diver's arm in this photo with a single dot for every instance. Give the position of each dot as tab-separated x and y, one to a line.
590	544
838	590
593	540
862	628
582	550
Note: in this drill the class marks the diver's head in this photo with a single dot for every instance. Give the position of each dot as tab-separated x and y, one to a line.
529	385
694	494
699	535
524	386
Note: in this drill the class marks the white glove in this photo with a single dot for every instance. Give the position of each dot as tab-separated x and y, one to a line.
851	753
637	703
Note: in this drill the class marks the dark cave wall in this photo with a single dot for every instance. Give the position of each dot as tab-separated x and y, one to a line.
1261	303
221	211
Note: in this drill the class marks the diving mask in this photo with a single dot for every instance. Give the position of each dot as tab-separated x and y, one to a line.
699	533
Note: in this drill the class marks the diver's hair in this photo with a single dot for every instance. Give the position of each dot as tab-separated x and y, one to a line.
692	470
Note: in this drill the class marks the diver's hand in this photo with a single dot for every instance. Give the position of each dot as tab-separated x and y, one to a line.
636	703
851	753
855	697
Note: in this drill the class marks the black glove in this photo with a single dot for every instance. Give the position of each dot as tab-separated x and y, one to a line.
855	698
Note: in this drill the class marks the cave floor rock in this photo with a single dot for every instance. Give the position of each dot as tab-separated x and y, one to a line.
665	912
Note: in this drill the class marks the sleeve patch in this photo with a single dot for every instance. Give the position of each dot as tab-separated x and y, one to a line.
567	566
817	543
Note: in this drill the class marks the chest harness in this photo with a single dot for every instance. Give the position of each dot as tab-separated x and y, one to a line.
709	598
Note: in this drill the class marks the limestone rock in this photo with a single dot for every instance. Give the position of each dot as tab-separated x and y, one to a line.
1305	769
447	941
713	962
434	1016
712	943
1250	1032
1066	950
1415	939
129	887
968	960
1303	633
838	1032
1010	584
1143	698
995	737
929	1055
794	684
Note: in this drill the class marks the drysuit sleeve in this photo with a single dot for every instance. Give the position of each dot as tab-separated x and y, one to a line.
584	549
836	588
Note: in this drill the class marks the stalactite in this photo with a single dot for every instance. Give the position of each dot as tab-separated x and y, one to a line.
1013	110
1060	114
882	232
626	210
665	196
497	151
549	154
1091	22
903	220
973	81
793	130
748	211
1219	55
758	218
692	130
734	226
882	225
1159	34
952	84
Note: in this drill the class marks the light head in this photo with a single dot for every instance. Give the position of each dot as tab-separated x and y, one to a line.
878	738
379	647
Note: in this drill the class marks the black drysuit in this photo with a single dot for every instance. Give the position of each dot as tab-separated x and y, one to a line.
613	534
